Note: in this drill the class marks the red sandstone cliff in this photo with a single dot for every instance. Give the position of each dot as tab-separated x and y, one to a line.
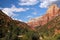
51	13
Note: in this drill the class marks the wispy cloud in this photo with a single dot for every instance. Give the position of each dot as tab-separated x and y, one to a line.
43	3
10	11
47	3
34	13
29	16
28	2
17	19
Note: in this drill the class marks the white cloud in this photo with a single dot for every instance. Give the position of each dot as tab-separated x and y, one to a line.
34	13
29	16
28	2
10	11
17	19
43	3
46	3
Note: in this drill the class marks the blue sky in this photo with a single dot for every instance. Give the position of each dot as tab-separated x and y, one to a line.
24	10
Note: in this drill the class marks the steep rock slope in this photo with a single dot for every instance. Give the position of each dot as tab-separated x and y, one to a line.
11	29
50	30
51	13
8	19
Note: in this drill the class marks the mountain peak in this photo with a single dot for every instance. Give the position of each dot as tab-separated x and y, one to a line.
53	9
9	21
51	13
53	5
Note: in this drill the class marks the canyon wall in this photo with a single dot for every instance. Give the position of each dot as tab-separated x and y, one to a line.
51	13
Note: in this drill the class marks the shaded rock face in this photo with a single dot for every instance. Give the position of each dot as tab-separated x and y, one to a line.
6	22
5	17
51	13
8	19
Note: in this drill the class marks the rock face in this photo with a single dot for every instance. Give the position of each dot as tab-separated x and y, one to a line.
51	13
5	17
8	20
13	29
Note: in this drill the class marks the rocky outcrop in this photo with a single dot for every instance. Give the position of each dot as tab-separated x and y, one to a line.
5	17
8	20
51	13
